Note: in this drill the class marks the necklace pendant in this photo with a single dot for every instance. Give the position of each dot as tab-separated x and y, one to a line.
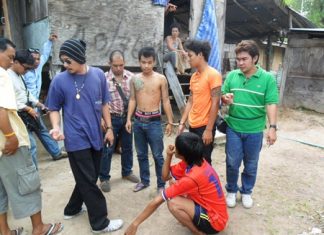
77	96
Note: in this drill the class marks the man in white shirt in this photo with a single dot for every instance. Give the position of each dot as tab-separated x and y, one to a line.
16	164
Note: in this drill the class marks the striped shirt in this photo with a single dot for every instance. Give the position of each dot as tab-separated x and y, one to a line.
117	103
248	112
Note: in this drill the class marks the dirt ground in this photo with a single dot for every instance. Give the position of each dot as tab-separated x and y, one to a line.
288	196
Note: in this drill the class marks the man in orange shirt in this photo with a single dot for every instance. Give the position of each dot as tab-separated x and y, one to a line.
195	198
205	91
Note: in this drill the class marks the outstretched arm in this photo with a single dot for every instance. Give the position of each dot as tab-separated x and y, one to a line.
56	133
149	209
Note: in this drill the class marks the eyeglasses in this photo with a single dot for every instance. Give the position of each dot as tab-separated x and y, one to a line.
33	50
68	61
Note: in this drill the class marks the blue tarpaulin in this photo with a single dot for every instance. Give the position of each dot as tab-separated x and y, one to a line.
160	2
207	30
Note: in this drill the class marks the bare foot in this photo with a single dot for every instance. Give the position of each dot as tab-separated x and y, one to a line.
49	229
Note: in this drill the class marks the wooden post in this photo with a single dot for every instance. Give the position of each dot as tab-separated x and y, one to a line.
7	22
175	87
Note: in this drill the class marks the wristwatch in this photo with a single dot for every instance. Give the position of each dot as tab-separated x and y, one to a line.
273	126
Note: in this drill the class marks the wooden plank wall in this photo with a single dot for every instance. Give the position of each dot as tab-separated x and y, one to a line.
107	25
303	79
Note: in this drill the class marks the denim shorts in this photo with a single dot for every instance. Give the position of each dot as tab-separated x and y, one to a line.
19	184
201	220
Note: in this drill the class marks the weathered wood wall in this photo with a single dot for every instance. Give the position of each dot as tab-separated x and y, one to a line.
303	76
107	25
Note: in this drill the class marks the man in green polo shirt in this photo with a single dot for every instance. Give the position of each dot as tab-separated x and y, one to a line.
251	94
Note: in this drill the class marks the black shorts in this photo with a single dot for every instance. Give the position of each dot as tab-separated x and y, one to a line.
201	220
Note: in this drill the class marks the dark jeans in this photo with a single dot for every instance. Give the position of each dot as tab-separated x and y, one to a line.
246	147
119	129
149	133
85	166
207	148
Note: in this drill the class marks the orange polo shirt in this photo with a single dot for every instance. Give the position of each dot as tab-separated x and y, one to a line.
201	85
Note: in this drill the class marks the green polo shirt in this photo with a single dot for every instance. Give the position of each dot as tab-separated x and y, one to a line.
247	114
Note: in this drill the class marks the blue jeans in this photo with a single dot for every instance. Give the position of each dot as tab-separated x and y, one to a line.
119	129
47	141
149	133
246	147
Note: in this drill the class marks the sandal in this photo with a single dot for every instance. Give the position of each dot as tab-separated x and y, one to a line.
18	231
140	186
54	229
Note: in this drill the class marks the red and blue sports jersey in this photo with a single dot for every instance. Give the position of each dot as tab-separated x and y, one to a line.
202	185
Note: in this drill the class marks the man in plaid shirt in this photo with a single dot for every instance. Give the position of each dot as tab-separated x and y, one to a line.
118	80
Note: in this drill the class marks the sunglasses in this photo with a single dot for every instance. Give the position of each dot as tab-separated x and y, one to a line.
67	61
33	50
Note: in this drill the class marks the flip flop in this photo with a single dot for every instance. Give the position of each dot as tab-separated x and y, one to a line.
18	231
140	186
54	229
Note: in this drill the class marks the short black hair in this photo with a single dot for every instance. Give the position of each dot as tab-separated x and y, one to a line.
190	146
198	46
146	52
116	52
4	42
175	25
24	57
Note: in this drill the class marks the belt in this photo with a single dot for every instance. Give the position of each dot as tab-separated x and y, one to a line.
149	119
120	115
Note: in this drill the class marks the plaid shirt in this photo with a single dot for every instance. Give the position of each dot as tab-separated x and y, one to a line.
116	103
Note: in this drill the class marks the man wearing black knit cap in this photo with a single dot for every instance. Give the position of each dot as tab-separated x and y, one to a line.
81	91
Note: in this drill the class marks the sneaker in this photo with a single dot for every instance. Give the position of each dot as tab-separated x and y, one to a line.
247	201
231	199
112	226
83	209
62	155
105	186
132	178
139	186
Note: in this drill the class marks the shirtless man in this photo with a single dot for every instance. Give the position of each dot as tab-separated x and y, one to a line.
147	90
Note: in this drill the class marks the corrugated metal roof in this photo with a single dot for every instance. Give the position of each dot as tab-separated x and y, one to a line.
246	19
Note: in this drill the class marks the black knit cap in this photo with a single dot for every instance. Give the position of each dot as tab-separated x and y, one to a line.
24	57
74	49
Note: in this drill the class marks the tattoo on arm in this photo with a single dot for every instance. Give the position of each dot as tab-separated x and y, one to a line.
216	92
138	83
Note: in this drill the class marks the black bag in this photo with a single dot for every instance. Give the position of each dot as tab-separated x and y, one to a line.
31	123
122	95
221	124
